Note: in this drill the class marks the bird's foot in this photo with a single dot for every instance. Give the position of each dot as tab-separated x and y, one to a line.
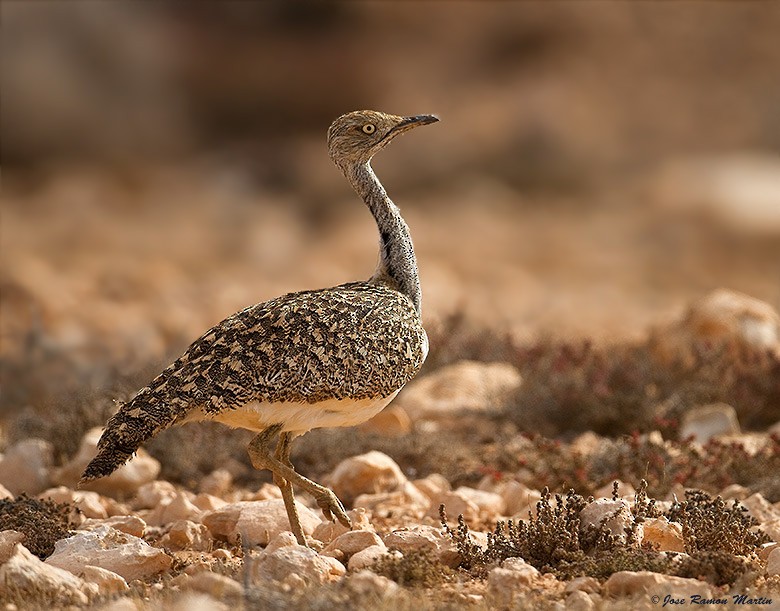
332	507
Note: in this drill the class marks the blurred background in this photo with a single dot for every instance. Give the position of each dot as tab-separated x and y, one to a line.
597	166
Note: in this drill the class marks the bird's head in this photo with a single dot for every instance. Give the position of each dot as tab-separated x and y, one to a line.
357	136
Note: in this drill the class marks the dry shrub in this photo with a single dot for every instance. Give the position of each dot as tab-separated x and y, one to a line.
720	543
415	568
43	522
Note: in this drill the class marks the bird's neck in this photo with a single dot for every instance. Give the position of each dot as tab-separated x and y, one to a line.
397	263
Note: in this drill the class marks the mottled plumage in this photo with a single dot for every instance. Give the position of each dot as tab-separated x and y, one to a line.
330	357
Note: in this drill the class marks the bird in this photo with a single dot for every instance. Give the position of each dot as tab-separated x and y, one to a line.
330	357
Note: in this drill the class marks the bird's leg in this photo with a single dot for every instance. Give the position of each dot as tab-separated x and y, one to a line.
282	454
261	458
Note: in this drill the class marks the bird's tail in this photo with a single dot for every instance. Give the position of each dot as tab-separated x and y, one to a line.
136	421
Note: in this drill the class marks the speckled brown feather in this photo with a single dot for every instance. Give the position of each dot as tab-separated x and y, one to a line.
357	340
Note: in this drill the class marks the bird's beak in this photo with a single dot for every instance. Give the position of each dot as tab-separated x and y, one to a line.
407	123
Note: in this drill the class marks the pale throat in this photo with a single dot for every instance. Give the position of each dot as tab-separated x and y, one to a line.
397	262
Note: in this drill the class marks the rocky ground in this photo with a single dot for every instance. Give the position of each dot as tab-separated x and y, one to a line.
690	508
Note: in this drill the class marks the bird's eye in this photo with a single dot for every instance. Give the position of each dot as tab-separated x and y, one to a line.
369	128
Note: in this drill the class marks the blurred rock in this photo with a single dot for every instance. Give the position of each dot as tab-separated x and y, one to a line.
466	385
504	583
615	516
151	494
589	585
579	601
25	466
132	525
773	562
123	482
128	556
455	504
663	535
196	601
722	316
86	502
489	504
217	483
368	585
207	502
423	537
519	498
772	529
255	522
351	543
184	534
407	500
587	443
5	493
761	509
283	539
26	573
393	421
265	492
646	583
365	474
107	581
326	530
8	541
300	561
739	190
735	491
705	422
215	585
173	509
432	484
366	558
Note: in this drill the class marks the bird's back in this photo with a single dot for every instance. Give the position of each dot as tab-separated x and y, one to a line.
360	341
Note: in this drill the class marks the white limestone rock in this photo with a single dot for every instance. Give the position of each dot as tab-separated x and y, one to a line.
108	548
25	572
130	524
255	522
424	537
151	494
347	545
303	562
708	421
369	473
173	509
326	530
663	535
106	581
722	316
616	516
184	534
466	385
507	581
88	503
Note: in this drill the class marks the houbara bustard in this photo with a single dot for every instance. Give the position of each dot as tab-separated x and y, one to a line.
324	358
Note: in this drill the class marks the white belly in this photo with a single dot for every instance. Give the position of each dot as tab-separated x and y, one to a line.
298	417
